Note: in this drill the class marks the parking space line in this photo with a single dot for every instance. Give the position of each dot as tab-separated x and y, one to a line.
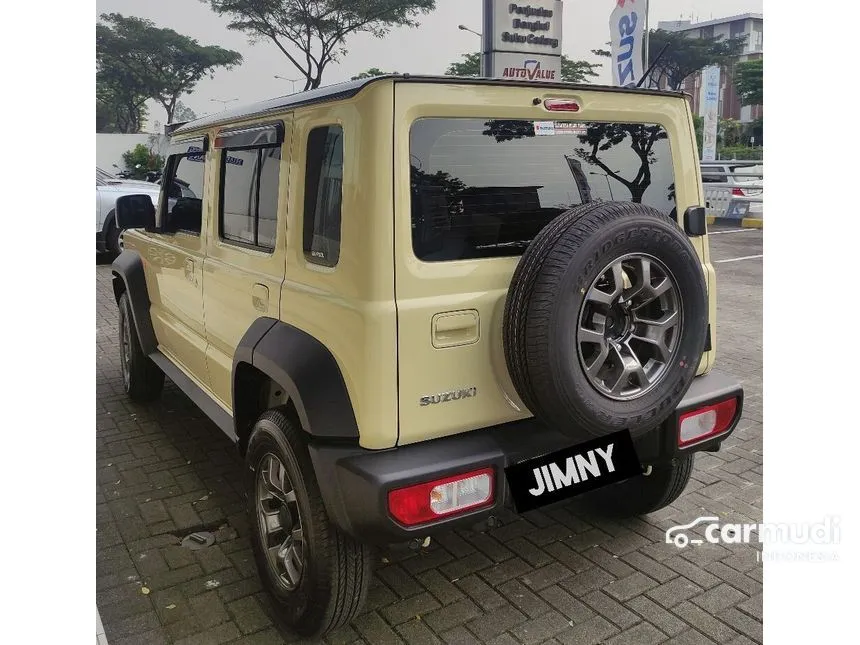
736	230
746	257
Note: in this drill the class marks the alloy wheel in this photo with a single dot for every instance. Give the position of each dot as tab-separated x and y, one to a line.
629	327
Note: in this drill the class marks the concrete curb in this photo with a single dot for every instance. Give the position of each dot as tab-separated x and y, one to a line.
746	222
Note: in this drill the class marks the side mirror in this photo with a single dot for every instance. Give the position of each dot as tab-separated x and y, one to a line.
135	211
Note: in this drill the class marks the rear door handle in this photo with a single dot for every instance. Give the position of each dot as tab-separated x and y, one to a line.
189	270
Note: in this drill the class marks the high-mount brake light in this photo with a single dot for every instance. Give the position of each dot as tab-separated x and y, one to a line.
561	105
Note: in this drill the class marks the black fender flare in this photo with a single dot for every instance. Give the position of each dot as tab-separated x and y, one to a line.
129	277
307	371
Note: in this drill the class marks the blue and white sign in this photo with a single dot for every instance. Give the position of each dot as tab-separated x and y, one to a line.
627	31
710	106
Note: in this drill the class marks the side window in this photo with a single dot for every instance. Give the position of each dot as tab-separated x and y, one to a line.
249	195
183	182
323	195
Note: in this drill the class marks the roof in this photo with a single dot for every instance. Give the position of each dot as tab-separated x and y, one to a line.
340	91
686	25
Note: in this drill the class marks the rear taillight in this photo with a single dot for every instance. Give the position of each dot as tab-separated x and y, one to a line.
440	498
737	192
696	425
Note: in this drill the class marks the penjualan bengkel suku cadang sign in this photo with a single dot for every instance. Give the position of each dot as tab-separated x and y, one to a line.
522	41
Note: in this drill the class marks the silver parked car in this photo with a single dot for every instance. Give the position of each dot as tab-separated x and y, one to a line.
109	188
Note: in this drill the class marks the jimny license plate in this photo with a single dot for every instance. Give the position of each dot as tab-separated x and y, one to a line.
572	471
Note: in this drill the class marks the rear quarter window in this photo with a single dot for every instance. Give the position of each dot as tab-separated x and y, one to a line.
485	188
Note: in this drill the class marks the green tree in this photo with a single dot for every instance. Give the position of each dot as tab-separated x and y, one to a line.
749	81
685	55
119	108
572	71
469	66
140	160
312	33
183	112
158	63
370	73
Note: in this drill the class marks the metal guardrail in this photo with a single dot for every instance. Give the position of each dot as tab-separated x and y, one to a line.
721	198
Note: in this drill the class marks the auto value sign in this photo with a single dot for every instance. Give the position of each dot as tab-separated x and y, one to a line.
524	39
627	30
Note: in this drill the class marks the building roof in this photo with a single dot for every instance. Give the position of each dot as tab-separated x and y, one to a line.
686	25
348	89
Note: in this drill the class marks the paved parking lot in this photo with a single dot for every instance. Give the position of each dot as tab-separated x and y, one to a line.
557	576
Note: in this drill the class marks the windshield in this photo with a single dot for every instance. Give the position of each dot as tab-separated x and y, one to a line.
485	188
101	175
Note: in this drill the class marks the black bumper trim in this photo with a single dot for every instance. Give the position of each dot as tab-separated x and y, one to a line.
355	482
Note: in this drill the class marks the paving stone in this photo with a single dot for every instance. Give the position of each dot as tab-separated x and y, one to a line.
705	622
591	632
611	610
409	608
661	618
415	632
641	634
719	598
248	615
523	598
674	592
494	622
626	588
452	615
539	629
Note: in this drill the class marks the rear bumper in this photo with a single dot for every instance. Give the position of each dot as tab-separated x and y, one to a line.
355	482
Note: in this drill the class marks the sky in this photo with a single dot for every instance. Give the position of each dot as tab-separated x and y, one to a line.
426	49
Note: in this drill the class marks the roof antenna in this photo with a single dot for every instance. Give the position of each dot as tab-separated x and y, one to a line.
653	65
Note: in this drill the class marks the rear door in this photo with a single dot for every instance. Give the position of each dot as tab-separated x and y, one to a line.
478	172
246	246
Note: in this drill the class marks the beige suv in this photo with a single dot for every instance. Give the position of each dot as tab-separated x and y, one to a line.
412	301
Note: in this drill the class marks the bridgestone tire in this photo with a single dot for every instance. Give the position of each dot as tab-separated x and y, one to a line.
336	568
143	380
643	495
547	294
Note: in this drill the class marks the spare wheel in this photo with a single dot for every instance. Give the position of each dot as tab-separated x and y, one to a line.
606	320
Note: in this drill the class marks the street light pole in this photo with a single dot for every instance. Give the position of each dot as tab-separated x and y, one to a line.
291	80
481	36
223	102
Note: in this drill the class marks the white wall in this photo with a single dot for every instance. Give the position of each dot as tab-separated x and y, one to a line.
110	147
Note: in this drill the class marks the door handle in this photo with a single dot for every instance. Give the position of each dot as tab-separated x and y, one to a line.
189	270
260	297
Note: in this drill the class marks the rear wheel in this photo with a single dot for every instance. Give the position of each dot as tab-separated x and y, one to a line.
141	378
645	494
318	575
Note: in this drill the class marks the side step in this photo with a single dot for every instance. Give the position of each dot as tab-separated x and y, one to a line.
194	392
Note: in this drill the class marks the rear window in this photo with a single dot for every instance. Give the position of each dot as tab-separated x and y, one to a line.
485	188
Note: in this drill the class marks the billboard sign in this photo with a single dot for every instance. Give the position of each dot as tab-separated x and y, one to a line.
523	41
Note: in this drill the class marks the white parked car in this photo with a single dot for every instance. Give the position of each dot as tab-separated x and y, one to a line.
725	173
109	188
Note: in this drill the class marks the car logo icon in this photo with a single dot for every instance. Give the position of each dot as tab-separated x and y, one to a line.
675	534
